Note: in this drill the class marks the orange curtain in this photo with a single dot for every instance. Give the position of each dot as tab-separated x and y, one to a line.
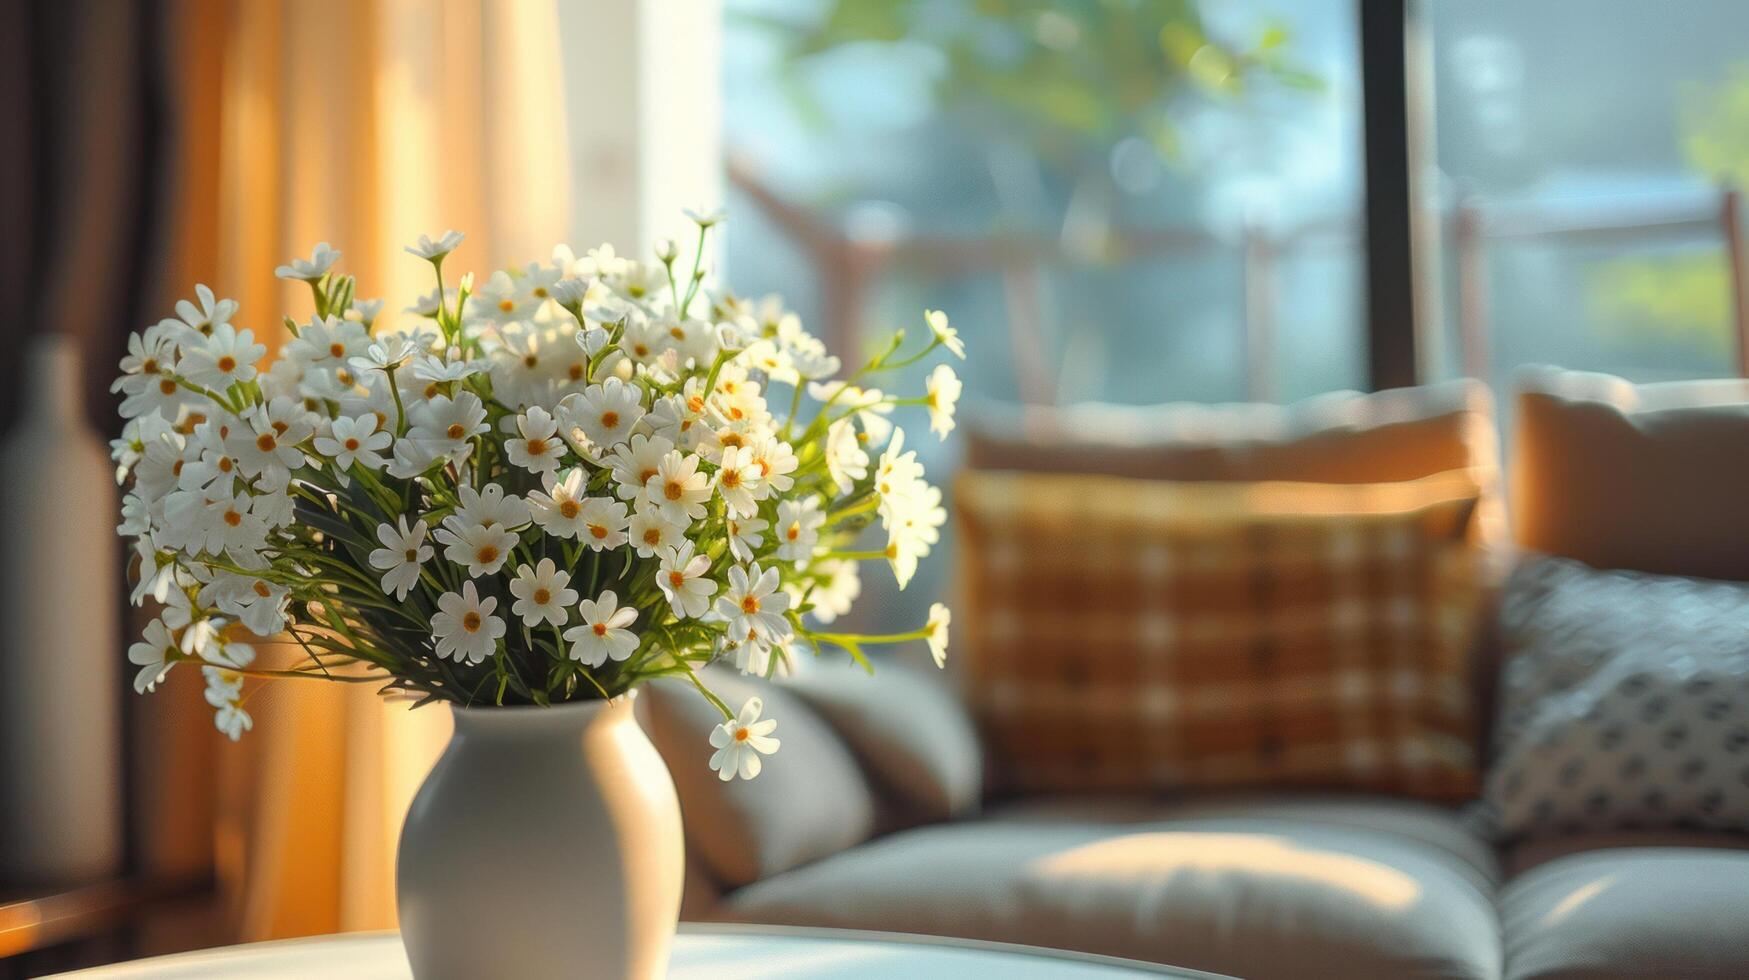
363	123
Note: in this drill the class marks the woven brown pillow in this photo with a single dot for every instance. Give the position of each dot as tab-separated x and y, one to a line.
1141	635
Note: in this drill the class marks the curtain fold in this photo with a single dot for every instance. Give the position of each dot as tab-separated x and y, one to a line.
363	123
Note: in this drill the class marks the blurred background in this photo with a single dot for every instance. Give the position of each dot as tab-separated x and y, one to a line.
1130	201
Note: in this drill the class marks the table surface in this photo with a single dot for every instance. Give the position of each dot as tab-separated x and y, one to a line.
719	952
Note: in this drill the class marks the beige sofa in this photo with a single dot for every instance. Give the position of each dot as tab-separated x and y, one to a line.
873	816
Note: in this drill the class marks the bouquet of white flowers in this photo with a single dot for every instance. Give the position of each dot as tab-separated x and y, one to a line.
562	483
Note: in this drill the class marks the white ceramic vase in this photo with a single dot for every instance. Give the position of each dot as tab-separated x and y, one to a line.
60	601
545	843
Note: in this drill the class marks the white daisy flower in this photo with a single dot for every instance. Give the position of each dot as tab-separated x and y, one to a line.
399	559
226	357
199	321
431	251
944	333
384	354
608	411
798	528
706	218
151	355
776	461
942	392
604	523
753	603
834	596
846	462
870	405
681	579
939	618
542	594
738	479
488	506
745	536
155	653
650	533
444	424
327	342
603	635
451	367
559	510
678	488
539	450
740	742
480	548
635	462
351	440
464	627
321	259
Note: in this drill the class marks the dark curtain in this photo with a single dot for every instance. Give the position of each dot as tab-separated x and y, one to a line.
85	249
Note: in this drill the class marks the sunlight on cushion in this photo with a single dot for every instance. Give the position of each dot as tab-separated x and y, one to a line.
1585	893
1149	856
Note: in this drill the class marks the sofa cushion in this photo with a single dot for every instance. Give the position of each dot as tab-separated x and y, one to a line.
1237	887
1641	912
1339	437
1525	855
810	800
1130	635
1649	477
1622	702
910	731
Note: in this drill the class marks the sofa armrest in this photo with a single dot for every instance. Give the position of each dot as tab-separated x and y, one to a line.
810	801
909	730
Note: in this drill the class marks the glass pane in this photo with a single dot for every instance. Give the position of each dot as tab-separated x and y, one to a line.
1588	145
1129	202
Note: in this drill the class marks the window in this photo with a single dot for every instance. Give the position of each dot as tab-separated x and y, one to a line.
1587	151
1125	202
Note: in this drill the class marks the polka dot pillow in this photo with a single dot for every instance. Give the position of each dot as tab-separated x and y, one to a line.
1624	702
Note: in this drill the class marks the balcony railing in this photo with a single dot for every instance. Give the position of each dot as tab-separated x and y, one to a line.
849	266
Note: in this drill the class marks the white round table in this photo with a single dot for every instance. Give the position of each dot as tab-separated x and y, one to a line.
716	952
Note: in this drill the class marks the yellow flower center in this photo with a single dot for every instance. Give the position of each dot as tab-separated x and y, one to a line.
610	420
531	361
542	597
676	579
569	509
652	537
413	554
673	491
227	364
537	447
731	479
742	734
597	531
455	430
750	605
486	555
351	445
471	621
266	442
506	305
261	589
337	349
233	518
600	629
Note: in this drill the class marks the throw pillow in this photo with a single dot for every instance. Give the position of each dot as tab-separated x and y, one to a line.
1624	702
1135	635
810	801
